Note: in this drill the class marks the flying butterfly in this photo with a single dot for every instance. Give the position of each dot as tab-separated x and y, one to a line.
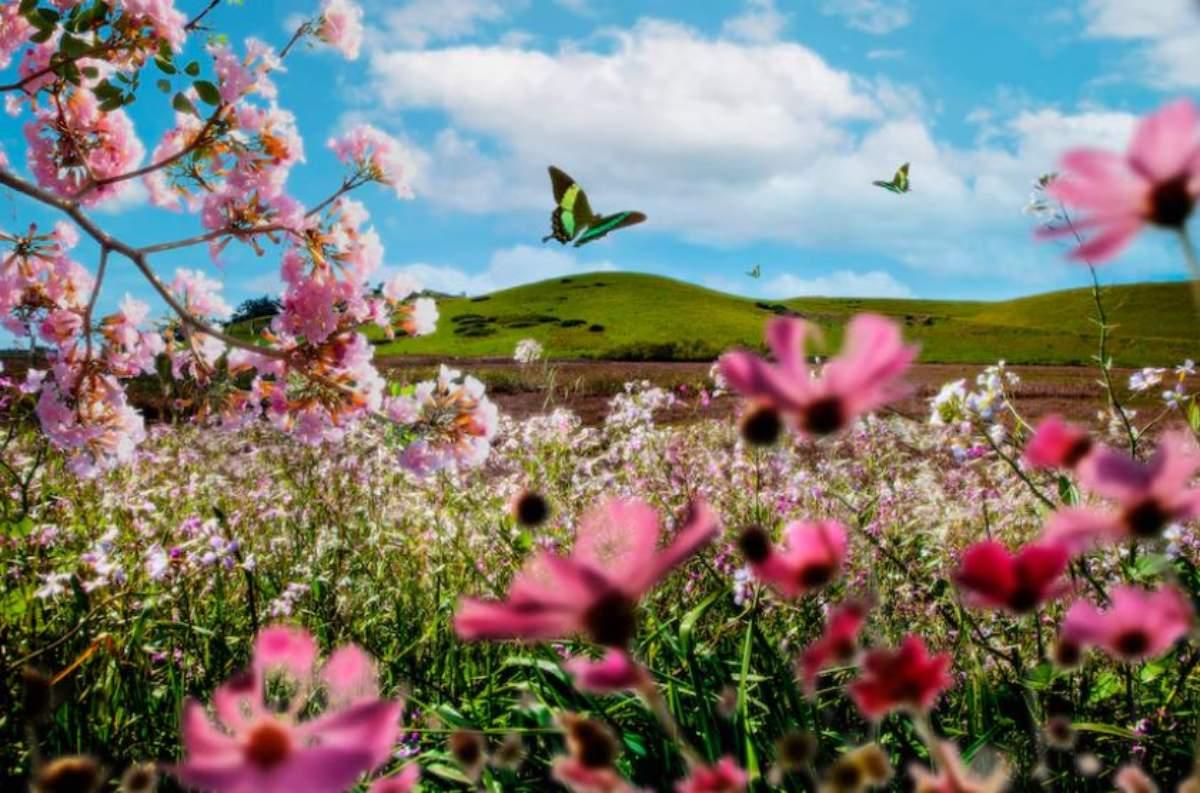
756	272
899	183
573	218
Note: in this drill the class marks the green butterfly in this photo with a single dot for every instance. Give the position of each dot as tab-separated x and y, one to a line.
899	183
756	272
573	218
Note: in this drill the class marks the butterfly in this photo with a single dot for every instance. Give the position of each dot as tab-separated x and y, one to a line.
899	183
573	218
756	272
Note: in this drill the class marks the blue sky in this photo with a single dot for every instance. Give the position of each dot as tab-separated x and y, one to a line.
748	130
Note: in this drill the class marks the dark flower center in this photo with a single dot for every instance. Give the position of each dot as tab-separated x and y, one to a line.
467	748
816	575
611	620
1171	203
843	649
1146	519
532	509
755	545
268	745
796	750
761	426
1023	599
1078	450
825	416
69	775
592	744
1067	653
1132	643
1059	732
845	775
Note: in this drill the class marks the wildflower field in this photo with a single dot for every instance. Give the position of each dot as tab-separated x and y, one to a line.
308	573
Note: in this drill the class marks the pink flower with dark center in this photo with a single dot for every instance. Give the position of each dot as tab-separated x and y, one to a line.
403	781
865	376
252	748
1138	624
992	577
814	555
907	677
1057	444
1156	182
595	591
724	777
1149	496
838	644
615	672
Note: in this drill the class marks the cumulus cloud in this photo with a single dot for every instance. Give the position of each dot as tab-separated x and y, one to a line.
419	23
839	283
877	17
1166	32
520	264
761	22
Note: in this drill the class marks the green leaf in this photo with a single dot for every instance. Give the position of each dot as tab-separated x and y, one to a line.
1067	491
165	66
42	36
1106	729
192	69
1194	415
164	85
207	92
73	47
105	90
184	105
90	72
688	624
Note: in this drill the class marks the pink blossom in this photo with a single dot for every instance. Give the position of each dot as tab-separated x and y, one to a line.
418	318
907	677
1157	182
953	777
1138	624
616	672
724	777
400	286
238	77
14	32
1132	779
376	156
403	781
252	748
200	294
990	576
1149	496
341	26
866	375
1057	444
594	591
813	556
161	15
838	644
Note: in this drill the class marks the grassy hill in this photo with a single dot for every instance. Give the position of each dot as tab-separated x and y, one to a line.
628	316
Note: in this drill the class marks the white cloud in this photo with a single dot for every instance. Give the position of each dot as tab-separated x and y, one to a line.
761	22
877	17
1167	33
724	142
581	7
133	195
839	283
885	54
421	22
520	264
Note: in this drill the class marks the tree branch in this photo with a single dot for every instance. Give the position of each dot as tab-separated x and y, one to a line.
194	22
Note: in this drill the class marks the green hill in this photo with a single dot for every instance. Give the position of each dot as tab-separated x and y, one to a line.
629	316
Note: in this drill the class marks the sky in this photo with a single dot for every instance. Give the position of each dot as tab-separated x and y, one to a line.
748	130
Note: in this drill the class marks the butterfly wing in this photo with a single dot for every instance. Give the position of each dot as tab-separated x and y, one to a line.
901	178
572	213
887	186
560	182
608	223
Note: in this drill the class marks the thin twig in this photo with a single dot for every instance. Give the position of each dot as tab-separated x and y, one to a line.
194	22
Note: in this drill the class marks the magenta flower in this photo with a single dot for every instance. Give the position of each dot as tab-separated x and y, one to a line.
1149	495
1057	444
595	591
1138	624
403	781
615	672
815	552
992	577
866	375
1156	182
907	677
252	748
838	644
724	777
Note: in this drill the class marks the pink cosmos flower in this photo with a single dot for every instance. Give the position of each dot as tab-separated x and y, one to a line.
866	375
1149	495
1156	182
341	26
1057	444
815	552
907	677
254	749
838	644
724	777
376	155
594	591
992	577
615	672
403	781
1132	779
1138	624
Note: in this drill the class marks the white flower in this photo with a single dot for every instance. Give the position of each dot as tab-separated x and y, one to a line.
53	585
1146	379
528	351
1186	369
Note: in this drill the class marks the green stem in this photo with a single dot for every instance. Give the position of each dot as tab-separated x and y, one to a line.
1193	262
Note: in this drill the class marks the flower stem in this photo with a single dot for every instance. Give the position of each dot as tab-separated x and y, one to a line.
1193	262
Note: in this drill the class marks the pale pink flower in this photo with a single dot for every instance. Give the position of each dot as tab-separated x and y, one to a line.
1057	444
341	26
403	781
376	156
200	294
724	777
1149	496
867	375
615	672
14	32
1132	779
400	286
595	591
812	558
1156	182
1138	624
418	318
838	644
161	15
252	748
953	777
